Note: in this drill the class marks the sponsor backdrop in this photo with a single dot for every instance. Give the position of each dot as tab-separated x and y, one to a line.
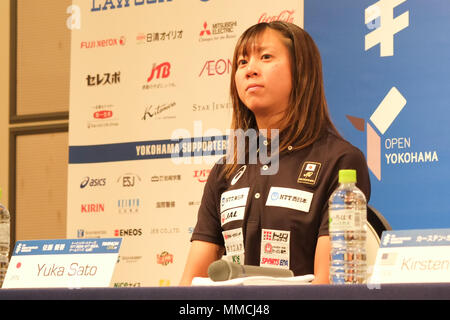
149	110
150	107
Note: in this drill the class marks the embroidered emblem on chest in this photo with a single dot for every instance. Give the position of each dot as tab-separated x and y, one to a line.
309	173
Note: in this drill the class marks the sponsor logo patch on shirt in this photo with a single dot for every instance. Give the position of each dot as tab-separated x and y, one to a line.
275	248
232	214
238	175
309	173
234	245
289	198
233	199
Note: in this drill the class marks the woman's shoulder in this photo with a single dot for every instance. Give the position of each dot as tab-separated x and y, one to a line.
337	145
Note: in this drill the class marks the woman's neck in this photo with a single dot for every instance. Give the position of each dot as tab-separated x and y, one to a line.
269	122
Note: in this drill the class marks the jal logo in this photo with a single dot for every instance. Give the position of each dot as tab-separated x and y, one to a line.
160	71
229	215
103	114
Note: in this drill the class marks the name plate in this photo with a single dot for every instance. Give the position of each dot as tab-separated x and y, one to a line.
413	256
62	263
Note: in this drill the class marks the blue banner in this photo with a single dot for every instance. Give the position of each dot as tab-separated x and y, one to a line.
66	246
386	67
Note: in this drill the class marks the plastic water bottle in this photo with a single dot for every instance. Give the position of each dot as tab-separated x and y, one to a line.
347	227
4	240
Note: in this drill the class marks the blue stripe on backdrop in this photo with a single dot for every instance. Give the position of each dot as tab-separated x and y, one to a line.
144	150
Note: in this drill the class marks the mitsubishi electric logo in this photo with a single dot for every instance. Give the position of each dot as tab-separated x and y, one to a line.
379	17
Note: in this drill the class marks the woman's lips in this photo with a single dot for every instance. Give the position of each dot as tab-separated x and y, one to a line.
253	87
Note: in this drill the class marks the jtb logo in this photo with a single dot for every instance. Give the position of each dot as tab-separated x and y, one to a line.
386	25
160	71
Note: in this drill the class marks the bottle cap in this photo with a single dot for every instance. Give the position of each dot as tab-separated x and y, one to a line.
347	176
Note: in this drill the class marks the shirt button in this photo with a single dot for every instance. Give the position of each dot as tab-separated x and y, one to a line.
257	195
265	167
265	142
290	148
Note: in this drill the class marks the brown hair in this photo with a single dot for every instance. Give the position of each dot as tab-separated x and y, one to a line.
307	117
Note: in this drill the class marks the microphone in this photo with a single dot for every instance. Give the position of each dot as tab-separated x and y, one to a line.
222	270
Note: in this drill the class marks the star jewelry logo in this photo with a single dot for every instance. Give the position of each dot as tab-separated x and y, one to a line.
379	17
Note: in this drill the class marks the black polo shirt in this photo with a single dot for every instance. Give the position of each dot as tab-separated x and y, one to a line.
275	220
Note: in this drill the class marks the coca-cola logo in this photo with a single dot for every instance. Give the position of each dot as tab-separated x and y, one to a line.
285	15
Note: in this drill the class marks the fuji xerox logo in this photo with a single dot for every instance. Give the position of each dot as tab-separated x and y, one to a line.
379	17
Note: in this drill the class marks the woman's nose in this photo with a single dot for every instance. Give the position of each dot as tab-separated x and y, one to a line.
252	68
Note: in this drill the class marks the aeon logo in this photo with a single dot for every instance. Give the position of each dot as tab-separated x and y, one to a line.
216	67
382	118
160	71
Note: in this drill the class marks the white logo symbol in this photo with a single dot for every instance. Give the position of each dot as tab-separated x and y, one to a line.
388	110
238	175
382	118
385	26
74	21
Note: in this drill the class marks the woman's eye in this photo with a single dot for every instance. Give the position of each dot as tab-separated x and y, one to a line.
242	62
266	56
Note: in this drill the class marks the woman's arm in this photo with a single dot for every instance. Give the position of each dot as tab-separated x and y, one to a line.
200	256
322	260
